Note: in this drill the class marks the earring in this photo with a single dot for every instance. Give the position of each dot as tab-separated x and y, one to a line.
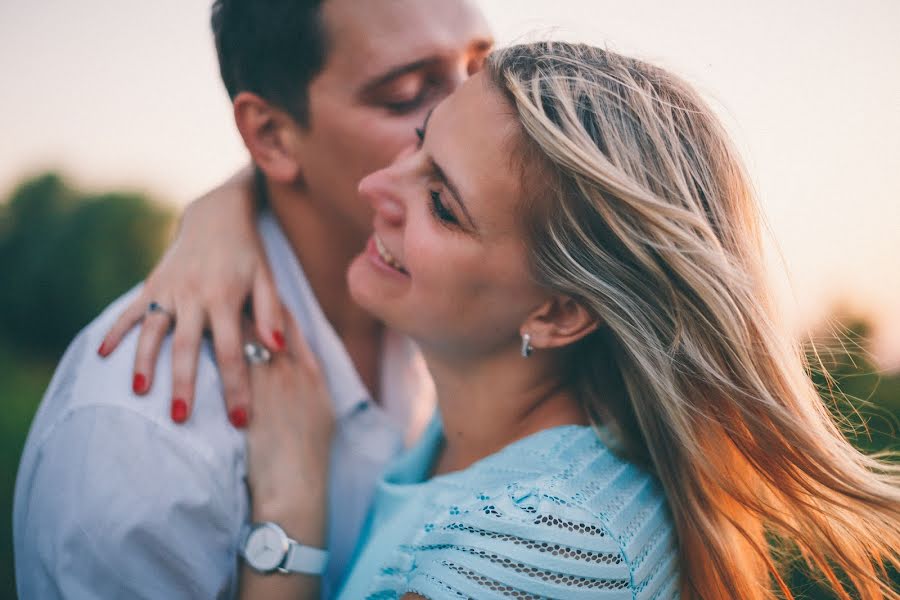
526	345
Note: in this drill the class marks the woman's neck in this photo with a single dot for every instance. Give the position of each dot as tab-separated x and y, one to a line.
489	402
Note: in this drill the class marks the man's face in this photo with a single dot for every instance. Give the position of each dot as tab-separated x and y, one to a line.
388	63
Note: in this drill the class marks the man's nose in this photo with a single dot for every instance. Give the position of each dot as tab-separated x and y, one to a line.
381	191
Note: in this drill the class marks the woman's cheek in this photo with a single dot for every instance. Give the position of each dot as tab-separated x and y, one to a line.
424	259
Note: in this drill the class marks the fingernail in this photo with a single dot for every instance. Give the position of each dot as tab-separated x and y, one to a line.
238	417
102	351
139	384
179	410
279	340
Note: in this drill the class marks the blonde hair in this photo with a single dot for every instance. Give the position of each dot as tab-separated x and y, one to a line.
640	208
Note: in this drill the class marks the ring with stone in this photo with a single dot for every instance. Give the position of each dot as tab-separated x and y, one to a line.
256	354
155	307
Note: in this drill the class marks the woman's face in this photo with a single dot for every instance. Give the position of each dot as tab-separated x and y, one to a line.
446	263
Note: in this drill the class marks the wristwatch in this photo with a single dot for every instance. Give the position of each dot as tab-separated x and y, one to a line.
268	549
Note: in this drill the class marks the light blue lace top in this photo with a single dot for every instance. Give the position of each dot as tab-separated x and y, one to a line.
553	515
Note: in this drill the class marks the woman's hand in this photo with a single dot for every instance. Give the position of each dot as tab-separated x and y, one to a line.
290	431
288	456
205	278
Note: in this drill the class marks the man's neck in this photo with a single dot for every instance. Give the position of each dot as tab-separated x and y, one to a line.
324	244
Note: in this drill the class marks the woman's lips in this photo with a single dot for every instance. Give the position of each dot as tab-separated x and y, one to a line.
374	253
386	254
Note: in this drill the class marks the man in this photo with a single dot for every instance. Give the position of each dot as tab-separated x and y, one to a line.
113	499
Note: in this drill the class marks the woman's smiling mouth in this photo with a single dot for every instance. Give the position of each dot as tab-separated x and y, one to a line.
386	256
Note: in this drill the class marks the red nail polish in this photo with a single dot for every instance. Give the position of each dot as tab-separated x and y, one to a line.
139	384
238	417
179	410
102	351
279	340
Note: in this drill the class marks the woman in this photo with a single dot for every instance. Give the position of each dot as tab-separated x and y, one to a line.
587	211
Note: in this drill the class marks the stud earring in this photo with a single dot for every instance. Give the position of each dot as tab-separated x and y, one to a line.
526	345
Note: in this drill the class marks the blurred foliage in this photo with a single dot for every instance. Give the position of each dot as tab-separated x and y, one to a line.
64	255
22	383
865	403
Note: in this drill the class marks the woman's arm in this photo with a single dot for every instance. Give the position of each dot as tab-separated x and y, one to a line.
205	278
288	455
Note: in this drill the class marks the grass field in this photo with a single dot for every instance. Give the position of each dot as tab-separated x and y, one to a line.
22	384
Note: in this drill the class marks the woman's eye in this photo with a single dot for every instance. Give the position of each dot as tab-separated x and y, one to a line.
439	210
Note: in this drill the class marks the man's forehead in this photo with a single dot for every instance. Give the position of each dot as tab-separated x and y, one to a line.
376	35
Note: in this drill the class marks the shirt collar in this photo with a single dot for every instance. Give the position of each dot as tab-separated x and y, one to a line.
347	389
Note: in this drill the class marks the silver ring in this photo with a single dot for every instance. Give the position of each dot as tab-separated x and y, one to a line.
156	307
257	354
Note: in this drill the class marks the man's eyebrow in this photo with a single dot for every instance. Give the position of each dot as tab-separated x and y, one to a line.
454	191
395	72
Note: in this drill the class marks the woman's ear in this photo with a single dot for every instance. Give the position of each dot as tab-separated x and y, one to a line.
270	134
559	321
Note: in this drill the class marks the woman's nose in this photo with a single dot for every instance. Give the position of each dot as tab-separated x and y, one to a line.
380	190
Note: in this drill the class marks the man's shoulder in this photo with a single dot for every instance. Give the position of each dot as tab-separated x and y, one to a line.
86	382
104	470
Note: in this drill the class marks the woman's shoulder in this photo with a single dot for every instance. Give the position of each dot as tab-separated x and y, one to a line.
556	514
572	467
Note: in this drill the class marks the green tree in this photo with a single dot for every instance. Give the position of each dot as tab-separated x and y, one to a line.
64	255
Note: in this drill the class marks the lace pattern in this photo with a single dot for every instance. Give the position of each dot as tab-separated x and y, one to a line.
580	523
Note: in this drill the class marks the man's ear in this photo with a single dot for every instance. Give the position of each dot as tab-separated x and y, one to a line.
270	135
559	321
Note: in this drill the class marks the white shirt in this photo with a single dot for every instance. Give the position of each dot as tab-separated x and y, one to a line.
114	500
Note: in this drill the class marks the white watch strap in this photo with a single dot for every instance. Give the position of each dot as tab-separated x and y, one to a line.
305	559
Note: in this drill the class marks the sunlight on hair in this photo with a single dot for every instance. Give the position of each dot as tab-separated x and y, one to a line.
640	207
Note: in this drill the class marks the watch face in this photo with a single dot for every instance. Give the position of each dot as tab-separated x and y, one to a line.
265	549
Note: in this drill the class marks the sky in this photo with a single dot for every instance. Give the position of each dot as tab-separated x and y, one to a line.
125	93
